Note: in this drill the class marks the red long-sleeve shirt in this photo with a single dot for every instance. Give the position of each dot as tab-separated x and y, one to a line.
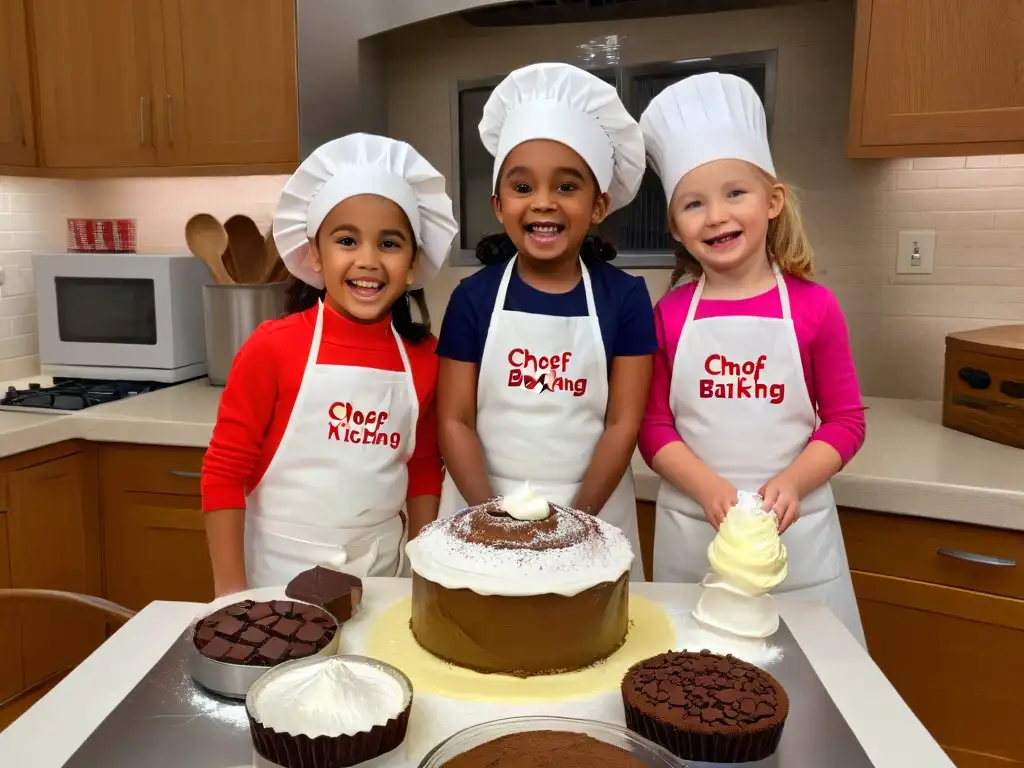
264	382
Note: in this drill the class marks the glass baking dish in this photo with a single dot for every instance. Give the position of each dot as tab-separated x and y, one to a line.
651	754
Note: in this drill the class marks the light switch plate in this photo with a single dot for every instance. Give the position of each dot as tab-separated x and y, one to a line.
923	240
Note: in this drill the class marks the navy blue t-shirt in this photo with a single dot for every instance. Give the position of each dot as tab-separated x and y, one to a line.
622	302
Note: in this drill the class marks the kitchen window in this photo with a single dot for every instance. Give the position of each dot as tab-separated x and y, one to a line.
639	231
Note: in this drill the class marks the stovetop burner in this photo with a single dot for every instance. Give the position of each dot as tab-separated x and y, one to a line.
68	394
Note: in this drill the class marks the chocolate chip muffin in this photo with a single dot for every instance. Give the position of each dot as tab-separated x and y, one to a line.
705	707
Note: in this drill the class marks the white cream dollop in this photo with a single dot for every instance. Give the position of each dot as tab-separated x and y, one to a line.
331	698
524	504
747	552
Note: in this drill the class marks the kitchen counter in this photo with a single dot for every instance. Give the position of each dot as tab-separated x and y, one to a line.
887	730
909	465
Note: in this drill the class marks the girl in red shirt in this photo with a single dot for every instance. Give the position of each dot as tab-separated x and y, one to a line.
327	428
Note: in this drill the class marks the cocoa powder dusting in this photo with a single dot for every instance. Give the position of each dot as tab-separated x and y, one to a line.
490	526
546	749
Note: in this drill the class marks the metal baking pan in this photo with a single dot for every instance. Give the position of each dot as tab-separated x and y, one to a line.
233	681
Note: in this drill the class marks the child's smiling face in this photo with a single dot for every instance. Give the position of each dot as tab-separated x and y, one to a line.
365	251
720	213
547	199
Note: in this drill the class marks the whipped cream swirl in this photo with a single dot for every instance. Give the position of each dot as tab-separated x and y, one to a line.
747	553
524	504
331	698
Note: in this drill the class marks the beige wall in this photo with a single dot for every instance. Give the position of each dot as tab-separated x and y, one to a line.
853	208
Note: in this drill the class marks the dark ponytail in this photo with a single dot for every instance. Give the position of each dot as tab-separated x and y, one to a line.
495	249
300	296
401	316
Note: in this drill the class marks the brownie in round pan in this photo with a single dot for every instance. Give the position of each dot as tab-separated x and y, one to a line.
262	634
705	707
546	749
493	593
328	711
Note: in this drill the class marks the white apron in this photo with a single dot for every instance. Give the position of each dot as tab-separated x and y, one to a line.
748	423
334	491
541	401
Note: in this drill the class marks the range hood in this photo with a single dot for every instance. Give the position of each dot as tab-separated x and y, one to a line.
341	72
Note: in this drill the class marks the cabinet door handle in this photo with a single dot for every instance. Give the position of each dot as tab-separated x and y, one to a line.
170	122
20	119
142	120
973	557
183	473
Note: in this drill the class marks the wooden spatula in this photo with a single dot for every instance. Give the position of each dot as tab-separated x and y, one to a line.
247	248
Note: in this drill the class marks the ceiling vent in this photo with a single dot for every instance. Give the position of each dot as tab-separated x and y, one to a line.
531	12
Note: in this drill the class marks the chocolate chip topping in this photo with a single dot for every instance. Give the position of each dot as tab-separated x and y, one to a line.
705	691
264	634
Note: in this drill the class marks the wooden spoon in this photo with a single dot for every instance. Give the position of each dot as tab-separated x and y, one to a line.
274	269
247	248
207	240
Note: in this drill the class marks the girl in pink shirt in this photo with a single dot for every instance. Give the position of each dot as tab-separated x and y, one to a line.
754	387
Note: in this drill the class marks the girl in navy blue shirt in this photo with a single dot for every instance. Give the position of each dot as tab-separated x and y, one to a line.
546	353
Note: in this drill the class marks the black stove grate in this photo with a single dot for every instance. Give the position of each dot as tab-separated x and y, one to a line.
68	394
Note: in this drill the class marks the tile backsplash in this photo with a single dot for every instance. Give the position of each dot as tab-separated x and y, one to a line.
853	208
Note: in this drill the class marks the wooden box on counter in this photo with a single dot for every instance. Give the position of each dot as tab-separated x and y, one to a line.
983	388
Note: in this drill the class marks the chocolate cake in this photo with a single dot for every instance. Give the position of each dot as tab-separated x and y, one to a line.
494	593
338	593
705	707
264	634
546	749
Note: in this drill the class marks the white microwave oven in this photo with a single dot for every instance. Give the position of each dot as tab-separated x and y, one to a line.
119	316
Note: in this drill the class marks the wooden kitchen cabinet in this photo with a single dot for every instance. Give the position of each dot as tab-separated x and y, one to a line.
232	91
17	133
937	77
53	533
935	622
162	87
153	529
99	76
12	677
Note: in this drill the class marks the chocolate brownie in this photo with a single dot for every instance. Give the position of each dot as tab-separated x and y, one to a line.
339	593
546	749
264	634
705	707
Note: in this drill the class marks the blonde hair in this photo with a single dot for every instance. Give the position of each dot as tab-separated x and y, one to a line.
786	243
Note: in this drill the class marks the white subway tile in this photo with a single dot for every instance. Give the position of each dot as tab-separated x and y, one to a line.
1009	220
939	163
983	161
916	179
981	177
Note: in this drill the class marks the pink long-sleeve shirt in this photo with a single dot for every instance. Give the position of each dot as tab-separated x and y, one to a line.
824	350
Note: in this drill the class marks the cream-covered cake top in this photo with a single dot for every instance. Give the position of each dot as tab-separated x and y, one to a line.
334	697
748	553
506	547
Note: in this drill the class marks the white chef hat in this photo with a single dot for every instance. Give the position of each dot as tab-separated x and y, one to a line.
563	103
705	117
361	164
